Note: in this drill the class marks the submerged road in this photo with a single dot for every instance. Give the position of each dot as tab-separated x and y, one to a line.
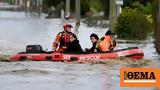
18	29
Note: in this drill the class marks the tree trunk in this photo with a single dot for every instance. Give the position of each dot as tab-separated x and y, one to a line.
157	24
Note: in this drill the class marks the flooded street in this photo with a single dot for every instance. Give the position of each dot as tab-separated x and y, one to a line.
22	31
18	29
57	76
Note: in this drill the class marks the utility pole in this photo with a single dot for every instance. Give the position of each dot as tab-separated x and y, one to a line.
39	6
67	12
25	6
21	3
78	11
16	2
112	14
35	5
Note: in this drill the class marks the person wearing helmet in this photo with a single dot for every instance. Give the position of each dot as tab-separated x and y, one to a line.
62	39
106	43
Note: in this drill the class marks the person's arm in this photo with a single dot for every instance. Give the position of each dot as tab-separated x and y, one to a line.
97	46
56	41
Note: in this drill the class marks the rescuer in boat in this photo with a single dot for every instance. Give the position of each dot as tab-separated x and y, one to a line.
63	38
74	46
106	43
94	39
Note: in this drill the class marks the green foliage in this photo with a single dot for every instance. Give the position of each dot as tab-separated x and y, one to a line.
149	8
129	3
139	26
122	28
84	7
72	5
57	11
132	24
150	18
145	9
95	5
50	3
105	8
57	4
98	6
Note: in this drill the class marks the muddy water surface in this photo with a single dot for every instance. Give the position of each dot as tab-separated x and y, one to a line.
18	29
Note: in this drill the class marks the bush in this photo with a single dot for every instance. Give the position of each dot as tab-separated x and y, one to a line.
147	9
132	24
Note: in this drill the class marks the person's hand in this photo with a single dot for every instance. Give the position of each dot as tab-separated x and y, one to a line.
86	49
54	49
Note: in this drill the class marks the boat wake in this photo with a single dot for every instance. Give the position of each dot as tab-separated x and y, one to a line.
117	61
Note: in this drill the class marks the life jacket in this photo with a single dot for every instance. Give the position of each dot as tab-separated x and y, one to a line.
104	44
64	39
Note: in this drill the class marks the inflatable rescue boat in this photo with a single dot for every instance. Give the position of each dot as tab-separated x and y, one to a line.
132	52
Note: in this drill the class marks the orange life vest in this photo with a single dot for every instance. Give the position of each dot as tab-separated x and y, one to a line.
104	45
62	39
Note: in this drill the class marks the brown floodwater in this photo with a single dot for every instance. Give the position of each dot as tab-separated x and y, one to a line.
18	29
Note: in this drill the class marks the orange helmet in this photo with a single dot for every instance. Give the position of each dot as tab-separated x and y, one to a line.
67	25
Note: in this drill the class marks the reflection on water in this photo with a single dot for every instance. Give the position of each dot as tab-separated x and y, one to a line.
18	30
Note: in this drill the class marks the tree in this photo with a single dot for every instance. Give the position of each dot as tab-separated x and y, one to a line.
156	18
